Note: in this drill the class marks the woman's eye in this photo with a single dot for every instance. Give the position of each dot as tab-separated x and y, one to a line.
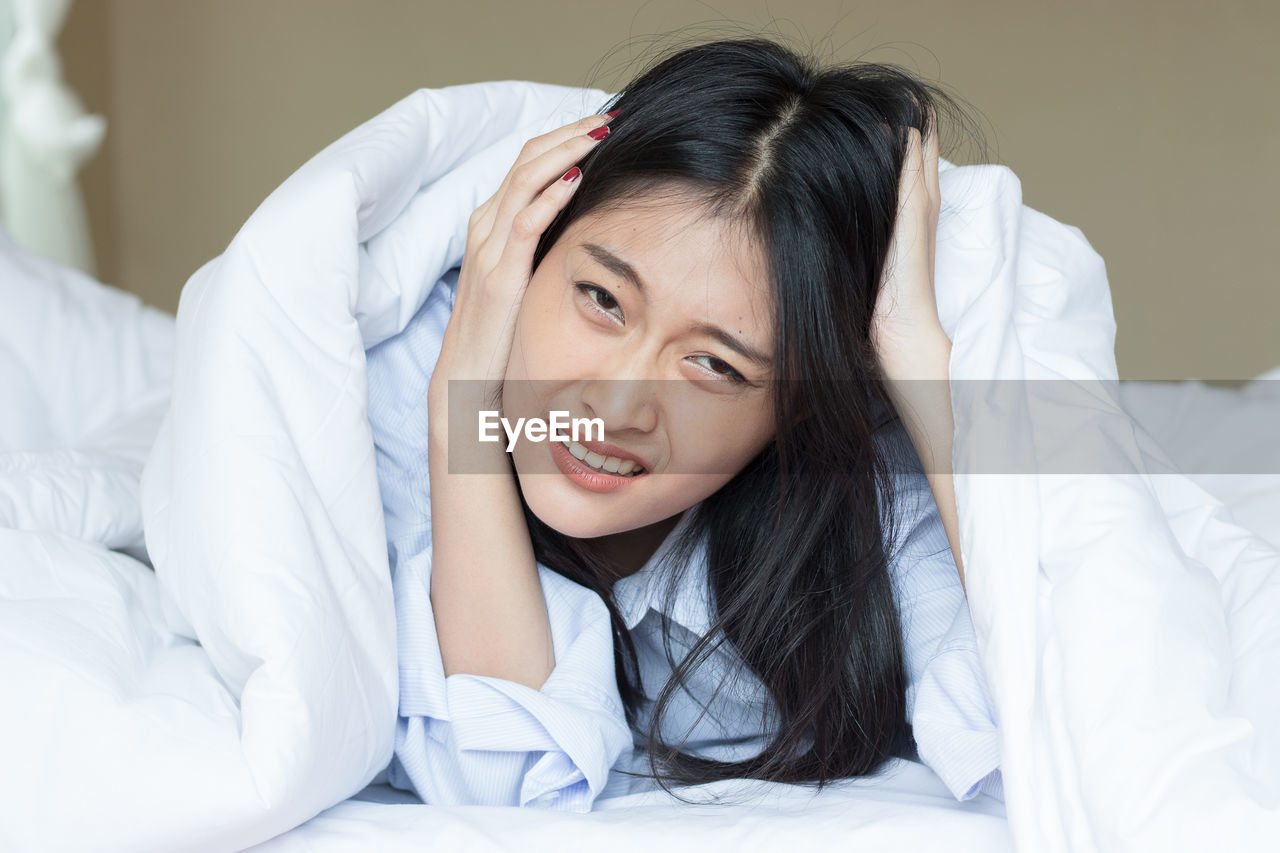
601	297
723	368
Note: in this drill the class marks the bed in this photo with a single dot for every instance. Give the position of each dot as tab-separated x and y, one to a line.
196	626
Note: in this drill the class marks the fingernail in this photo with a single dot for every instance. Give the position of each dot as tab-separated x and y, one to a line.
599	133
613	113
571	175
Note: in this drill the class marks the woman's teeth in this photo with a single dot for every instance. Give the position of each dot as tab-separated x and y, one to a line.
608	464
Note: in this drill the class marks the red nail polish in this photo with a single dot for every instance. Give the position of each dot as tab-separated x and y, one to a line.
599	133
613	113
571	175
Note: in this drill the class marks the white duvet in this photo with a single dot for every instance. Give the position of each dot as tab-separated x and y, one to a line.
1130	629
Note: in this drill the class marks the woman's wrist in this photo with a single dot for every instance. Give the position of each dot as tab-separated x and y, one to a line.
455	406
925	353
917	381
917	378
477	369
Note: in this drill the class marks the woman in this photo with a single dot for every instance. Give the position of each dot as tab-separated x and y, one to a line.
724	270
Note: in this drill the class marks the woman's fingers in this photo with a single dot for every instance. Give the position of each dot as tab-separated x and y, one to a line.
931	157
532	150
918	189
933	185
531	177
528	223
912	169
539	145
912	185
906	302
911	244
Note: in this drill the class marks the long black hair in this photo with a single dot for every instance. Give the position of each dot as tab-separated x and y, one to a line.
807	158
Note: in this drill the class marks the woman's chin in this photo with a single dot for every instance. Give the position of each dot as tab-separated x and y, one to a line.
579	516
575	526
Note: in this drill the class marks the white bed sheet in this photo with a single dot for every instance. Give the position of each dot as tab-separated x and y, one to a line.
905	807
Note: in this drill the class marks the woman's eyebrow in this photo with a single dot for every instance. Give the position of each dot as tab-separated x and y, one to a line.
619	267
616	265
742	349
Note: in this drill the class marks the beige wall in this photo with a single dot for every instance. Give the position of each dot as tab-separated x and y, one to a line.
1152	126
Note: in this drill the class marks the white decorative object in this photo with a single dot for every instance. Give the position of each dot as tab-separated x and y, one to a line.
45	137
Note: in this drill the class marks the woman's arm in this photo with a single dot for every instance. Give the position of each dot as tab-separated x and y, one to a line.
914	350
918	385
491	617
490	614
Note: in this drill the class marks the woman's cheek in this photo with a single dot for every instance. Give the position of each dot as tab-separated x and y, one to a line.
707	448
534	351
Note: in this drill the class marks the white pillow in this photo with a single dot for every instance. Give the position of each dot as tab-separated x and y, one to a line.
85	371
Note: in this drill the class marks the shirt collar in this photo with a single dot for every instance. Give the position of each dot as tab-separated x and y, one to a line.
637	593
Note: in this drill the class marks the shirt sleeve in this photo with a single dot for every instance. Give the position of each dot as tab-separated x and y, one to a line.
949	704
480	740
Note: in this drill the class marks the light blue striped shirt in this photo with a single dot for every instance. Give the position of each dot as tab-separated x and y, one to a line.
472	739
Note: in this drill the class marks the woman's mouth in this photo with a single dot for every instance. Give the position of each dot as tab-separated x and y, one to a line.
605	464
590	470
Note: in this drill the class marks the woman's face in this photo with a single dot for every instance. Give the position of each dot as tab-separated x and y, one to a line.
676	363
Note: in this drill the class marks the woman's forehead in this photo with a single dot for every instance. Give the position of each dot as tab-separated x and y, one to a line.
675	248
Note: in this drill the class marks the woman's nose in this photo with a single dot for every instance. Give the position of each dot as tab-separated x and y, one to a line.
623	401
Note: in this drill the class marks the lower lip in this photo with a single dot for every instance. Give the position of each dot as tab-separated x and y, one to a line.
580	473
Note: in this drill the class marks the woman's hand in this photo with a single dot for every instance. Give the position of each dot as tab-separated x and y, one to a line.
913	350
906	309
502	235
490	614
